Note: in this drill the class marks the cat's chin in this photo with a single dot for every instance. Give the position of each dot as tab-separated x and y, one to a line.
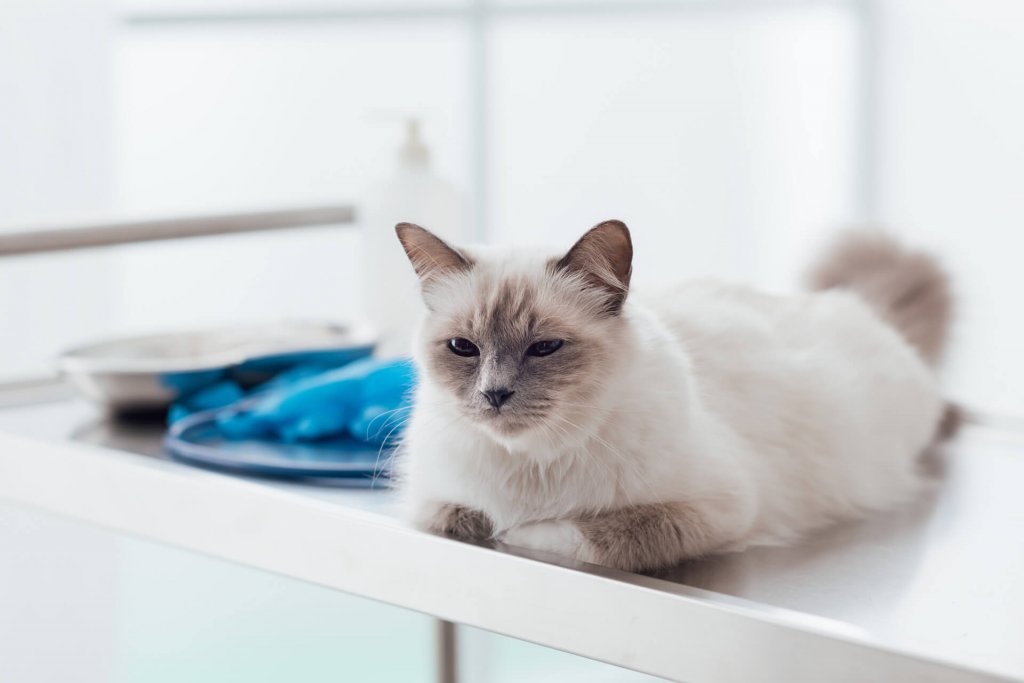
506	428
524	437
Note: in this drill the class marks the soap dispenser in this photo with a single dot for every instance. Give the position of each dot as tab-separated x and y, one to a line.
413	194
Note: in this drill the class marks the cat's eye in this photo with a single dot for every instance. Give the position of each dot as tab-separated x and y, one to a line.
463	347
544	348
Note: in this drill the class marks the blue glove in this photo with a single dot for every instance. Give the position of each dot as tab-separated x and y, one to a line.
216	395
368	399
202	390
209	390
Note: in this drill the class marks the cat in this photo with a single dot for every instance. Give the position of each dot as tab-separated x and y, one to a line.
557	412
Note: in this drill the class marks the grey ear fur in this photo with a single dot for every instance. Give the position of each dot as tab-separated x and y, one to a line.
604	257
430	256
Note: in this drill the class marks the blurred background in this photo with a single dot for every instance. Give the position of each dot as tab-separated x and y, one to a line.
733	136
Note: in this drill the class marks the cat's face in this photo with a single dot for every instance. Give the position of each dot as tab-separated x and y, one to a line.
521	344
514	350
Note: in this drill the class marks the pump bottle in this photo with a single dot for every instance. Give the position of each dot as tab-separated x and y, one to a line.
413	194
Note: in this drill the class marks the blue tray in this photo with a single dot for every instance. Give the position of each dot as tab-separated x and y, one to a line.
343	461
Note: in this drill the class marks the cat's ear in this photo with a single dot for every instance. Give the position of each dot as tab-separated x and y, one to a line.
604	257
431	257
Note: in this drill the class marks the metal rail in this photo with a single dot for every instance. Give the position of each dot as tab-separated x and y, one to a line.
91	235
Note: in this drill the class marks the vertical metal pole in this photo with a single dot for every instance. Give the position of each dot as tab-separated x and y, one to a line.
869	101
479	97
445	633
447	653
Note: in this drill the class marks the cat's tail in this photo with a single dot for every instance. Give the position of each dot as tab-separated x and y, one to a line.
907	288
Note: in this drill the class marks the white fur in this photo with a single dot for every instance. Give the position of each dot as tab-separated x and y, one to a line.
772	415
552	535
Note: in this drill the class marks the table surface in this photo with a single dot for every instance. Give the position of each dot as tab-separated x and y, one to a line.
933	591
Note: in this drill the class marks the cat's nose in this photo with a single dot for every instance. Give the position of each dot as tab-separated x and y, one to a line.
497	397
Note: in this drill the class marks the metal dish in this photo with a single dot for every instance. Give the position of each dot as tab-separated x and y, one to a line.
341	461
150	372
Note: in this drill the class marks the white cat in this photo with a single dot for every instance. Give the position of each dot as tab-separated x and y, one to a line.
556	413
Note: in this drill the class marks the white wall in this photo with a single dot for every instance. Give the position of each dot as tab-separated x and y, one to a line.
953	169
55	108
56	116
726	138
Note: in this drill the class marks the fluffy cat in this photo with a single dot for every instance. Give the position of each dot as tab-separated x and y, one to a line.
555	412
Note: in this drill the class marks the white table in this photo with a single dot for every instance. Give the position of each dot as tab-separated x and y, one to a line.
933	592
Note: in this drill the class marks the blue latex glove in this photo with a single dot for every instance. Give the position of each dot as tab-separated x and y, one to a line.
368	399
217	395
203	390
219	389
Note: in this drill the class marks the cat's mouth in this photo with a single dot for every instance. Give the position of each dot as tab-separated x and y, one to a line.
504	422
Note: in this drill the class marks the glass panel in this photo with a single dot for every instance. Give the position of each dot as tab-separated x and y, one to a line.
486	657
122	610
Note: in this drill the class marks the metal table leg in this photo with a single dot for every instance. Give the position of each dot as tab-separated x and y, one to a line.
447	654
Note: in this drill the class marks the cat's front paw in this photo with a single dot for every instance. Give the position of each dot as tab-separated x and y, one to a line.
558	536
461	522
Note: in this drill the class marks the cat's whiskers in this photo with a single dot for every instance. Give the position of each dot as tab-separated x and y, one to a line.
377	469
380	451
604	409
389	413
577	460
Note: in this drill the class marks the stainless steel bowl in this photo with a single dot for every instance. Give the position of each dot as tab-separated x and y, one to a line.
150	372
